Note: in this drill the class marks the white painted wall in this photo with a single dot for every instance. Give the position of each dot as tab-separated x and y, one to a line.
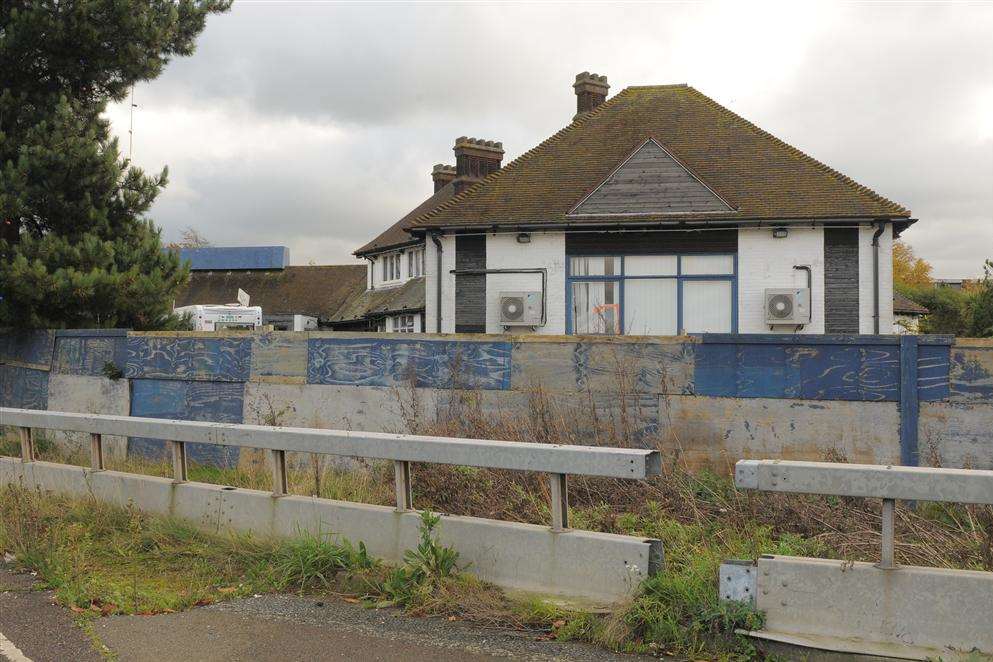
885	280
447	285
764	261
545	250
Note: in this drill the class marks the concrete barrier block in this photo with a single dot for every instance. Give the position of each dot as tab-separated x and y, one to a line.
578	564
642	366
717	432
920	613
88	395
956	434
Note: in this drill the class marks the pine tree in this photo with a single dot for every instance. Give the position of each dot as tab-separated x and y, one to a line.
76	247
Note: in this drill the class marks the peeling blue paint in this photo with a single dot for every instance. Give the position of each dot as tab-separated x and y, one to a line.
972	375
220	402
208	359
423	363
24	388
850	369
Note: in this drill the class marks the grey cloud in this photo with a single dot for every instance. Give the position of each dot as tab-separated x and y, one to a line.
880	92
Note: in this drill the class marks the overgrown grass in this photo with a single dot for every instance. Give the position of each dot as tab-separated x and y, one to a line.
101	560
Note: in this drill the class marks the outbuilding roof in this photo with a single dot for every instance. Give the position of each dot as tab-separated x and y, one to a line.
369	304
758	175
904	306
317	291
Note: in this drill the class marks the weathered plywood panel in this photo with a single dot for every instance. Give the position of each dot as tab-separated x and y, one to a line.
956	434
861	372
221	402
972	374
643	367
717	432
24	388
276	355
29	349
88	355
88	395
197	358
422	363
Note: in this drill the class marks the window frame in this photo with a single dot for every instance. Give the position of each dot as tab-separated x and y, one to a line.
620	277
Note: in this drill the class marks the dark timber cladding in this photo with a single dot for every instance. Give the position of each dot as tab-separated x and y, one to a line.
470	289
651	182
649	243
841	280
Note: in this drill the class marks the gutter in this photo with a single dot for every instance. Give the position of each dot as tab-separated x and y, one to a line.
437	309
614	224
880	227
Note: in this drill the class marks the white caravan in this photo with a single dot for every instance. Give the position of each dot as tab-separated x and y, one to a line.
223	316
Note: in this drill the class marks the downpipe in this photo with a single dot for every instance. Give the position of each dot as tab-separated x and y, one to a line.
437	307
880	227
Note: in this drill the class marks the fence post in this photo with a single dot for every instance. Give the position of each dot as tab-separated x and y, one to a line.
27	444
886	556
280	484
559	489
178	461
401	475
96	451
909	402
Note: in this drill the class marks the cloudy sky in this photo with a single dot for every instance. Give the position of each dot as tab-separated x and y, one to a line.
315	124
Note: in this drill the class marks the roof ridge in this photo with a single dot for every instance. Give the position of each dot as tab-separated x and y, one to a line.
818	165
576	123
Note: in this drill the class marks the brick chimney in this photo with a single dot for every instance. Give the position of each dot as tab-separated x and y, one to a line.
474	159
442	174
591	91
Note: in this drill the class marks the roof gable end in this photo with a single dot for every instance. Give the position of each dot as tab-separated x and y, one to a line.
651	181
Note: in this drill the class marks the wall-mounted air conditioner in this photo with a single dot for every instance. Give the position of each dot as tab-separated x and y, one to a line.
520	309
787	306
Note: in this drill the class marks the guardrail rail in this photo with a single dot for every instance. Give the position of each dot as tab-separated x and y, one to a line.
557	461
882	608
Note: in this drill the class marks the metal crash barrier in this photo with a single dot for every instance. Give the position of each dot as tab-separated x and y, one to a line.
556	558
878	609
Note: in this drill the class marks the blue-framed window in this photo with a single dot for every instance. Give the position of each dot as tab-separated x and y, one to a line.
652	294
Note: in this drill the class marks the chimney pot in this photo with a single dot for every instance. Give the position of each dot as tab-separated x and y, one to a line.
591	91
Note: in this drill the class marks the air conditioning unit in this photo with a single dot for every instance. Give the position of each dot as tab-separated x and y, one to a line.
787	306
520	309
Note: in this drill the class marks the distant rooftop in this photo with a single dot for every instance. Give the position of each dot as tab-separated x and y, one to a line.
235	258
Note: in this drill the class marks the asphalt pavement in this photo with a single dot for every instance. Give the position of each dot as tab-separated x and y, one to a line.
33	628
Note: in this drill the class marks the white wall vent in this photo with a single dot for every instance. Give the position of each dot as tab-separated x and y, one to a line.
787	306
520	308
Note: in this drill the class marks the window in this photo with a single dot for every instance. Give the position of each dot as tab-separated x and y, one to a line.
391	267
652	294
415	262
403	324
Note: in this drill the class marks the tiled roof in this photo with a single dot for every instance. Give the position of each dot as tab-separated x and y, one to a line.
317	291
373	303
759	175
396	234
903	305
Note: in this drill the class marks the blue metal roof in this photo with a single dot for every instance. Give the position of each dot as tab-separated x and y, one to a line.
228	258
